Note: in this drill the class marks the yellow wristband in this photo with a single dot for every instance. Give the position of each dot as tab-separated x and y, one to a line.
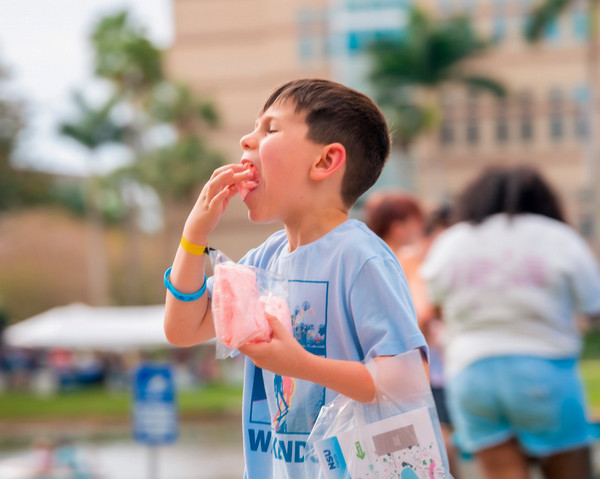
192	248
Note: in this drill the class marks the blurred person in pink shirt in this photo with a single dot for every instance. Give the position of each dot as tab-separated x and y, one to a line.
510	277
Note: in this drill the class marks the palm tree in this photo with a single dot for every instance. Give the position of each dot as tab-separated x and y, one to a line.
408	72
176	170
125	55
93	128
541	18
133	65
18	187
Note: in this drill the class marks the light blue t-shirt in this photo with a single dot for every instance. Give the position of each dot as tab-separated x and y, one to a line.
349	300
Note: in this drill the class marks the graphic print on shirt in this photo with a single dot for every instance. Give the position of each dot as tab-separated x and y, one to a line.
293	403
285	387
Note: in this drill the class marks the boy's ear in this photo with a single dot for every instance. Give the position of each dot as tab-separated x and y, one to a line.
333	157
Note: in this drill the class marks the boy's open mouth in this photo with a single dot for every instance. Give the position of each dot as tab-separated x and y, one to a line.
247	186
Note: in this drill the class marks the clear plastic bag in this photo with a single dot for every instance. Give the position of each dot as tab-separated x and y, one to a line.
396	435
242	296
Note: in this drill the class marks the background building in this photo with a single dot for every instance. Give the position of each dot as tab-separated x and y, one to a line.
237	51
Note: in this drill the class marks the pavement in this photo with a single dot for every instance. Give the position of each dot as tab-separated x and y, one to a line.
205	450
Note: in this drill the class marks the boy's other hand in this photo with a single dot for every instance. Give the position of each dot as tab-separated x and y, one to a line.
213	200
281	355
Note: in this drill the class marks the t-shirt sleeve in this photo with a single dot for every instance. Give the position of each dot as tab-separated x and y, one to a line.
383	311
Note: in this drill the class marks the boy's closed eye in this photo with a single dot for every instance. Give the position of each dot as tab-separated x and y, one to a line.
271	127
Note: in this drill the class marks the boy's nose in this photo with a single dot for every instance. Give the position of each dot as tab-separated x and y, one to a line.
248	142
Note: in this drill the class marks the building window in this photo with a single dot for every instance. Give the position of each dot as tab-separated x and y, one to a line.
524	8
556	115
502	122
552	33
472	125
446	132
447	125
525	117
498	21
472	131
580	23
581	101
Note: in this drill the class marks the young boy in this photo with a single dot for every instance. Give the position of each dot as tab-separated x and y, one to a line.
317	146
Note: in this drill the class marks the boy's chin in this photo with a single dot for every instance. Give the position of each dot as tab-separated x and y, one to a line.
256	216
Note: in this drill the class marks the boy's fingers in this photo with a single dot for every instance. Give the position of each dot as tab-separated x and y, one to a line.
227	177
224	168
221	196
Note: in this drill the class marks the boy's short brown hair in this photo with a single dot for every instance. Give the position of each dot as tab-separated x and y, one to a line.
336	113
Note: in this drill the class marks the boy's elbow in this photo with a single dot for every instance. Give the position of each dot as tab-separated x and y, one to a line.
176	338
171	338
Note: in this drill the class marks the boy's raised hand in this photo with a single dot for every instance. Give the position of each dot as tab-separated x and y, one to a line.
281	355
213	200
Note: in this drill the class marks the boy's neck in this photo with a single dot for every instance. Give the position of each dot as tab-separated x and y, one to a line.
314	226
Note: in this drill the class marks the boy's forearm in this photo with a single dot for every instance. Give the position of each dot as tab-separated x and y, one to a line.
190	322
350	378
187	323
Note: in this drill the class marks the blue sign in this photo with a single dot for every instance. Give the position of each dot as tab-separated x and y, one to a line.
154	408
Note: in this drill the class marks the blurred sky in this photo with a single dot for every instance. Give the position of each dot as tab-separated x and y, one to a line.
45	48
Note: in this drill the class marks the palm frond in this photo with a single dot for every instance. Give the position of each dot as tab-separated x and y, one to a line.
542	16
488	84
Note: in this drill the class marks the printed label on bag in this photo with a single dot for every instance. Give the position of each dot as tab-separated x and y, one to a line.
331	458
402	446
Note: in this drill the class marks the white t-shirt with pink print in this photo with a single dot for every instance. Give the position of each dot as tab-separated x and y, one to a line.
510	286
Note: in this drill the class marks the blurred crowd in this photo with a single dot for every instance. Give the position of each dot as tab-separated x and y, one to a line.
49	371
499	281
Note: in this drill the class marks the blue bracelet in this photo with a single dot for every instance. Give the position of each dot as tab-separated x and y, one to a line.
182	296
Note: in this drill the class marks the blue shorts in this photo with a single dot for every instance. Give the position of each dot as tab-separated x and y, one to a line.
540	402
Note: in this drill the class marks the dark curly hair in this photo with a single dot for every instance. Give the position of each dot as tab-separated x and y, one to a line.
510	190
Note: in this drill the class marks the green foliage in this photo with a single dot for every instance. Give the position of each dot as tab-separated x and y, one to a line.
591	344
590	372
542	16
21	188
177	169
18	188
125	55
94	126
175	103
71	197
408	120
100	402
427	55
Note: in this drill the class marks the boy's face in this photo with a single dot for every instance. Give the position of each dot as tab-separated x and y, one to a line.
282	154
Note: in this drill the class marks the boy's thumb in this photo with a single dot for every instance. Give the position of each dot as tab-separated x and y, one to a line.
273	321
276	324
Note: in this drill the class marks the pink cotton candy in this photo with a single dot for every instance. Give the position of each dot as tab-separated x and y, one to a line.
245	187
278	307
238	314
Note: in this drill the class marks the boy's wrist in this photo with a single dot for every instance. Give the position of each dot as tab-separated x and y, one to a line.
194	236
193	248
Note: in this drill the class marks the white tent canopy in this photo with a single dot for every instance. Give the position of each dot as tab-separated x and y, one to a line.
79	326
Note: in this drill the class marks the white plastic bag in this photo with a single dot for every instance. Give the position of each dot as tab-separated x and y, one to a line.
396	435
242	296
